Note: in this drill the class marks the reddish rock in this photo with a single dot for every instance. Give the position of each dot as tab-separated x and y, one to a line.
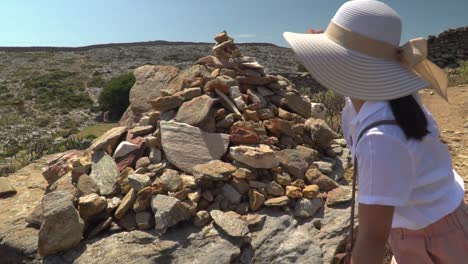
279	126
216	84
243	136
59	165
254	80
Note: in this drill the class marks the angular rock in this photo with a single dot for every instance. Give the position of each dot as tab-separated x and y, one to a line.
231	194
188	181
214	170
321	133
261	156
326	184
243	136
218	85
171	180
91	205
186	79
168	212
110	138
166	103
283	178
189	93
228	104
104	173
138	181
59	164
307	208
297	104
324	166
112	205
311	191
126	204
230	222
143	199
122	180
195	111
293	192
257	81
279	126
128	221
62	227
277	201
141	130
275	189
244	173
256	98
293	162
123	149
240	185
339	195
199	147
202	218
144	220
256	199
5	188
265	114
149	82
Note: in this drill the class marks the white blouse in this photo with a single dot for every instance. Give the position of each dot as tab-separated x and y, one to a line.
416	177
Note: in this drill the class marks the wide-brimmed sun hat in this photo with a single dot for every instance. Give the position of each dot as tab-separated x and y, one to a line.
359	55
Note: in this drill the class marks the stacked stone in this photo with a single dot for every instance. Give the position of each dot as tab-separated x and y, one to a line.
222	139
449	47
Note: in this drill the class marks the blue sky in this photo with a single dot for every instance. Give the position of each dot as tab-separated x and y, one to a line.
85	22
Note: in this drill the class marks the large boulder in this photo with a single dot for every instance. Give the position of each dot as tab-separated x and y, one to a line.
62	227
150	80
18	241
198	147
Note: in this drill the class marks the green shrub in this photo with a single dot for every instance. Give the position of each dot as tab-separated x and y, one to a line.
58	89
459	75
96	81
115	95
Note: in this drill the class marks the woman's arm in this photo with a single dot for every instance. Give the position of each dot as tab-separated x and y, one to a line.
375	223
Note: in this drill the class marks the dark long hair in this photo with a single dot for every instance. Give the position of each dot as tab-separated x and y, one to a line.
410	116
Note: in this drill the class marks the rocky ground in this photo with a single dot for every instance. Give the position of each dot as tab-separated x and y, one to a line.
452	119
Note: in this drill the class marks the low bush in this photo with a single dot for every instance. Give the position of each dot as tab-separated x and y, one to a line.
58	89
459	75
115	95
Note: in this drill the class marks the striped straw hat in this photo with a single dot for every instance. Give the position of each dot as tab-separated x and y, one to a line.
359	55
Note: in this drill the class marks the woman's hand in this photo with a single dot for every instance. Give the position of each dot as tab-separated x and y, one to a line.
314	31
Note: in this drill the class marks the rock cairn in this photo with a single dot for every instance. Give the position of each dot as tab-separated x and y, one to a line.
449	47
218	142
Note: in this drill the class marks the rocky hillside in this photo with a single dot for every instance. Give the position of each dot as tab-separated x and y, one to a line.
50	92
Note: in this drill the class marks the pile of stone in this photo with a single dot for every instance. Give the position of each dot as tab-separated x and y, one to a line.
449	47
220	140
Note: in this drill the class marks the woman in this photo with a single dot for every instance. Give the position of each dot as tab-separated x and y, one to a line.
408	190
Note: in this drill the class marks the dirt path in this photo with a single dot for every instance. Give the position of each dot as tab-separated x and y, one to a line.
452	119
